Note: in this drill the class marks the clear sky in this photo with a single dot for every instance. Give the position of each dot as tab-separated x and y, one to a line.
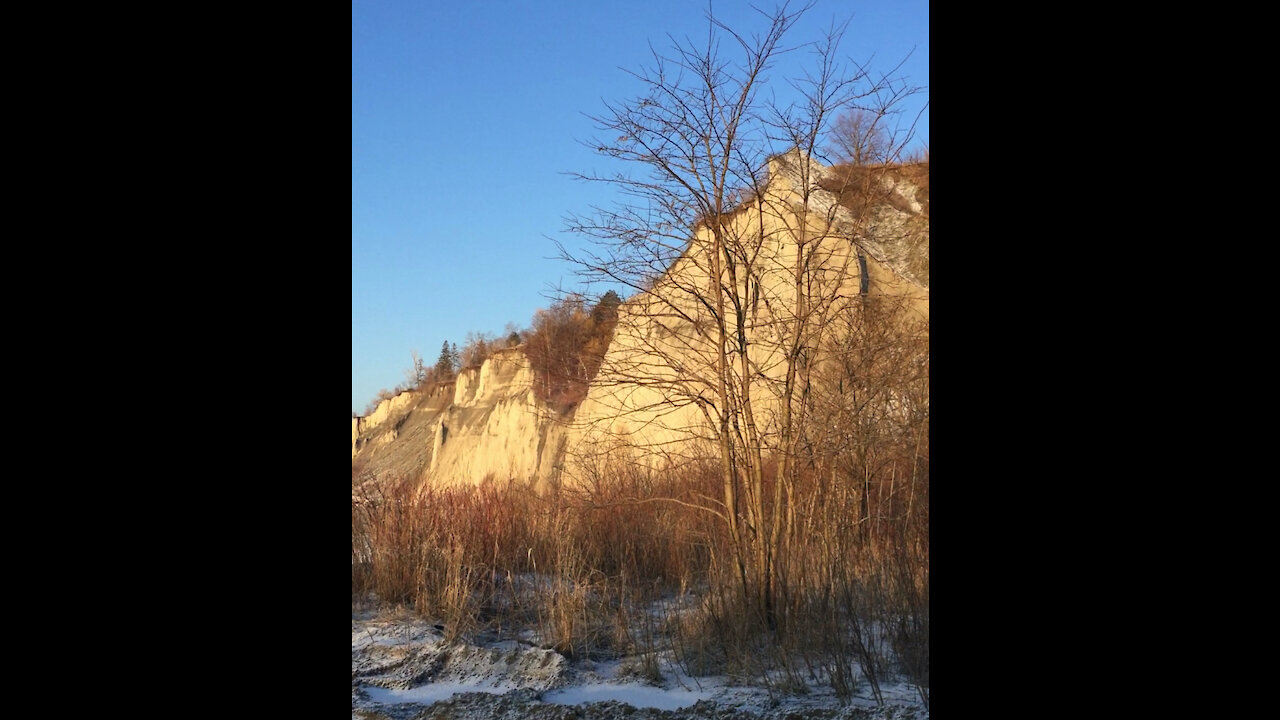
465	119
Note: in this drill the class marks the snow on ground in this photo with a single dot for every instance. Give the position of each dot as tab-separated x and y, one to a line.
641	696
401	667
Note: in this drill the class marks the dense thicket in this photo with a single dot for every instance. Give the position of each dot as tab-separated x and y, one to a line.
566	346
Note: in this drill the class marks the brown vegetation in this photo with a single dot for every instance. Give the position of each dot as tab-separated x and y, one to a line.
852	604
860	187
800	541
566	345
580	566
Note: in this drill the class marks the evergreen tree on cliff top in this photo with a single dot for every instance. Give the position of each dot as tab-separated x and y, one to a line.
444	365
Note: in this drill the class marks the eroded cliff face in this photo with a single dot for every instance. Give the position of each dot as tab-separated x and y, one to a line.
485	425
365	426
647	404
654	400
495	427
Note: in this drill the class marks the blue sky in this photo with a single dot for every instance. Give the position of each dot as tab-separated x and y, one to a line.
466	118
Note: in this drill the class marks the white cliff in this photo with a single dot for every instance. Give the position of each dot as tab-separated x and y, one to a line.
647	403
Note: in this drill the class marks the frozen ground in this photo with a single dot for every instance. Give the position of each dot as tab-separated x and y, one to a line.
401	668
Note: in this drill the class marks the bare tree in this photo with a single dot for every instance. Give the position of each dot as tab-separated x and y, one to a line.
733	282
511	332
565	346
860	138
417	372
476	348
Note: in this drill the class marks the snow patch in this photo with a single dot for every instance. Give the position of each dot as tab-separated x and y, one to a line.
639	696
401	666
432	692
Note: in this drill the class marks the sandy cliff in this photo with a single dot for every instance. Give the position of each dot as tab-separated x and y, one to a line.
488	424
495	428
653	401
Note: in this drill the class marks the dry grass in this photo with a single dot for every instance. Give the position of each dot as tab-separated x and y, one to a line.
850	592
582	568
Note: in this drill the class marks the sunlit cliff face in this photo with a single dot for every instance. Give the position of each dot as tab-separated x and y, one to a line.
647	404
